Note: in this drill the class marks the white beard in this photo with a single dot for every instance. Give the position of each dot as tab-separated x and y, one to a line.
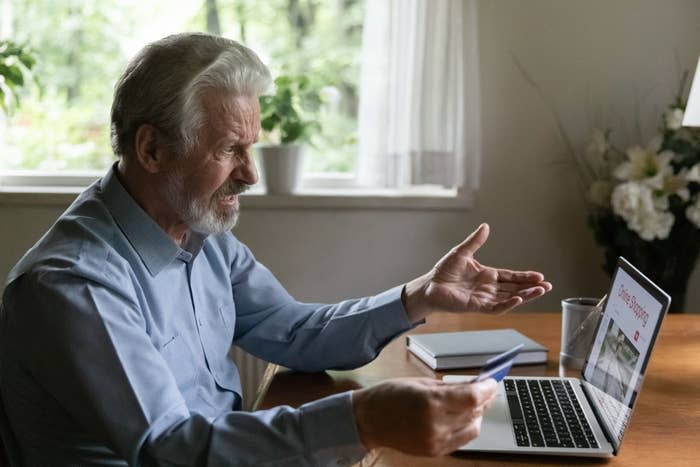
201	215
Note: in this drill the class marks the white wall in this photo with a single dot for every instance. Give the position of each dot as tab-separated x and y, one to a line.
598	51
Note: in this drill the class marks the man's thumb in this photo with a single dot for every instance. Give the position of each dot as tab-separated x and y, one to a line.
474	241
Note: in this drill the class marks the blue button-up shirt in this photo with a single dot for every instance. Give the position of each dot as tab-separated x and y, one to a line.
114	347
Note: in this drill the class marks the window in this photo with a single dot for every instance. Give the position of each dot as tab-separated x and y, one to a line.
417	62
81	47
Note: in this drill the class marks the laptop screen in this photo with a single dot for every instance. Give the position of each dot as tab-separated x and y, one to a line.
618	357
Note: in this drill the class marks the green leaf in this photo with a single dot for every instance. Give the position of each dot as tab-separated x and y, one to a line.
2	100
15	96
15	75
270	122
292	110
283	82
302	83
292	131
27	60
265	105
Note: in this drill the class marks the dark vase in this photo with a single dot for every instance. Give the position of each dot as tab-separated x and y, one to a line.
678	302
668	262
673	282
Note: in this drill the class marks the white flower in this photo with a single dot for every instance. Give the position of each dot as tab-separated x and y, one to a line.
598	145
692	212
643	212
693	175
646	165
629	199
677	185
674	119
660	201
656	224
599	193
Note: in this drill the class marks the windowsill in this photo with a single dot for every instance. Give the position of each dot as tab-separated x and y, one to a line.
316	198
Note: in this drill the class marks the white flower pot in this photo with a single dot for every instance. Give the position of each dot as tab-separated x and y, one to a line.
281	167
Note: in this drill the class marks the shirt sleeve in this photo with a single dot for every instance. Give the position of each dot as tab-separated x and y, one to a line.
83	340
273	326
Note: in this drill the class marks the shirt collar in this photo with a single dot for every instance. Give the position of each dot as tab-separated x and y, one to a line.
155	248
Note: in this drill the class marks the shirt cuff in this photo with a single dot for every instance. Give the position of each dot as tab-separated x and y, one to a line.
390	316
330	431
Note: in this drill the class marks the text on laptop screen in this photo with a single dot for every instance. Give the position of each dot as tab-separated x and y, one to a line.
619	354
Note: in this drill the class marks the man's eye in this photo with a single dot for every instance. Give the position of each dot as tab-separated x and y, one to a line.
230	151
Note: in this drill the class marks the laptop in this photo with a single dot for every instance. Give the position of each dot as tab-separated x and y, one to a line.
587	416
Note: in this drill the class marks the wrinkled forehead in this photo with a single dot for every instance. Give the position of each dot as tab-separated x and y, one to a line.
234	116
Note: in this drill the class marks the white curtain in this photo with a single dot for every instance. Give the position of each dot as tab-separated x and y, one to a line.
419	94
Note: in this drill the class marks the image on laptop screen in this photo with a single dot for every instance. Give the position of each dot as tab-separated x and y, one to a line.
620	352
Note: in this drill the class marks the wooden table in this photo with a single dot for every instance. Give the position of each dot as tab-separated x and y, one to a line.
665	425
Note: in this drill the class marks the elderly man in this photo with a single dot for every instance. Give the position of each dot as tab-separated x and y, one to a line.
117	323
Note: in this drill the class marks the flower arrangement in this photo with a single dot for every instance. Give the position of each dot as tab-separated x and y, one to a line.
644	201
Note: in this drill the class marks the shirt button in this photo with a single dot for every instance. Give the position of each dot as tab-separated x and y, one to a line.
201	323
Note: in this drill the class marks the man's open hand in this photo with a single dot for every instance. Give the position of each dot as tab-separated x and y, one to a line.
421	416
458	283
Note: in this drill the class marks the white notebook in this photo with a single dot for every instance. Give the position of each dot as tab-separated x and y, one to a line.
467	349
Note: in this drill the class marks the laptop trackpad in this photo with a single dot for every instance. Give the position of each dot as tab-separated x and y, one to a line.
496	432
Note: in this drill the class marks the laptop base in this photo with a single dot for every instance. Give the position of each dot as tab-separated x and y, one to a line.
497	435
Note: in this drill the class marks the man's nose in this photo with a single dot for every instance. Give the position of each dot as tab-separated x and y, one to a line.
247	172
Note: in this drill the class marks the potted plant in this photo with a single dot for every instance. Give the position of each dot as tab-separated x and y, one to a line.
288	119
16	61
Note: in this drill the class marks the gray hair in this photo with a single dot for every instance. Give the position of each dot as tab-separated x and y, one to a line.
163	85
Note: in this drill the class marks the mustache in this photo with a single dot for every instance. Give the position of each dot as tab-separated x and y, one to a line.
232	188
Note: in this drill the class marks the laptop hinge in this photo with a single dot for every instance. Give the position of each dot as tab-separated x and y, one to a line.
596	411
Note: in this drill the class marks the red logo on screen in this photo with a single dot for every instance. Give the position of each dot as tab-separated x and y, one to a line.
636	335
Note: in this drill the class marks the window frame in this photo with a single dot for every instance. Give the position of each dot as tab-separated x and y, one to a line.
317	190
28	187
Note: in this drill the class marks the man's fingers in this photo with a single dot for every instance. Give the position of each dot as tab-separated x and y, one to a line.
474	241
439	417
533	292
527	277
509	300
506	305
461	396
464	434
471	400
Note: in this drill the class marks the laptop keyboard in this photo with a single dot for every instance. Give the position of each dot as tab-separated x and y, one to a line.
546	413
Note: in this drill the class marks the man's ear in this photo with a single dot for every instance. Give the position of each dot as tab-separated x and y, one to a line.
150	154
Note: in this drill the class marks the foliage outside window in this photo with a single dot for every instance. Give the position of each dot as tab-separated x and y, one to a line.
16	62
82	46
